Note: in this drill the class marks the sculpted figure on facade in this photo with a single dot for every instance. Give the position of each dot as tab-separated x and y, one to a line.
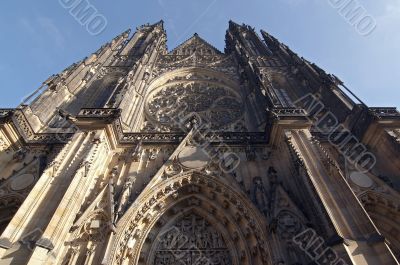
140	155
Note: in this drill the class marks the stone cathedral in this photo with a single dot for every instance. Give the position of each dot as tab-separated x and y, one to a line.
194	156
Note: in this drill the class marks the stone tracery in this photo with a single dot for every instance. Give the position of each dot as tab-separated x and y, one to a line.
214	104
183	192
117	192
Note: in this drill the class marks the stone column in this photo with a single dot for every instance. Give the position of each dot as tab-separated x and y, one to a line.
83	181
362	241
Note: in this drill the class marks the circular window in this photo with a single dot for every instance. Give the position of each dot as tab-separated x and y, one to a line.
22	182
215	105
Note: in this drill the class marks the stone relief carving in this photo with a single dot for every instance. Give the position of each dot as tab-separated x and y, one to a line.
395	134
3	143
139	226
94	229
16	182
124	198
191	240
195	53
221	63
289	225
260	195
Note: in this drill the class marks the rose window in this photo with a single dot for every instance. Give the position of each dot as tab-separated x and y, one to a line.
216	106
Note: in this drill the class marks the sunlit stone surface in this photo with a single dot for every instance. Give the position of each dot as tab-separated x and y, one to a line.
142	155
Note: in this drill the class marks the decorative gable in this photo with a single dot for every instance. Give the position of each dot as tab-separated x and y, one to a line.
195	45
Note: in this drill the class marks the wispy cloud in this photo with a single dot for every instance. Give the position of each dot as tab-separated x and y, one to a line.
42	29
52	30
389	20
392	9
27	26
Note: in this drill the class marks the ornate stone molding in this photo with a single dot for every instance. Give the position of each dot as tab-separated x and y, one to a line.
289	112
216	106
105	115
176	138
137	223
4	113
31	137
385	112
109	115
4	143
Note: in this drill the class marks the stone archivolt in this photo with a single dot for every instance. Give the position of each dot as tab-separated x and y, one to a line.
207	193
94	168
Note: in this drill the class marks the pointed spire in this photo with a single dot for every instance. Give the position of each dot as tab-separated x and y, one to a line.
148	26
233	26
127	32
124	34
243	26
117	40
233	23
270	40
159	23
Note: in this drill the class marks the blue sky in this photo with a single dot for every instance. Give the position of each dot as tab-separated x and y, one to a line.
40	38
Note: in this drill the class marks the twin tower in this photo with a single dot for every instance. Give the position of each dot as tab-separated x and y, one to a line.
250	156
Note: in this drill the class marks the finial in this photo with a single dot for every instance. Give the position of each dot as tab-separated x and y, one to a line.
159	24
231	22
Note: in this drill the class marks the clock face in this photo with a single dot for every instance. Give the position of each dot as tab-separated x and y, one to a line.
215	105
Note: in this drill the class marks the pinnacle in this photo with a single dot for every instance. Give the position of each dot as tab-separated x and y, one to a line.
161	22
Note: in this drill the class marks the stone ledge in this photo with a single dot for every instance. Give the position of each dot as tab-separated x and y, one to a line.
45	243
5	243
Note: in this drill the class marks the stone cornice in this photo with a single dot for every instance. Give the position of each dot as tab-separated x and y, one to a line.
387	113
5	113
109	119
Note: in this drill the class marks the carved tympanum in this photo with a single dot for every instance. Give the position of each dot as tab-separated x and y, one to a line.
191	240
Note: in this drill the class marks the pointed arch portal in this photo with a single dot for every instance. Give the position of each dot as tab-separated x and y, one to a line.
195	215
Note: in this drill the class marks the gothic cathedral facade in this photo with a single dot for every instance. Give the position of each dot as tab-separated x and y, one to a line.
247	156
